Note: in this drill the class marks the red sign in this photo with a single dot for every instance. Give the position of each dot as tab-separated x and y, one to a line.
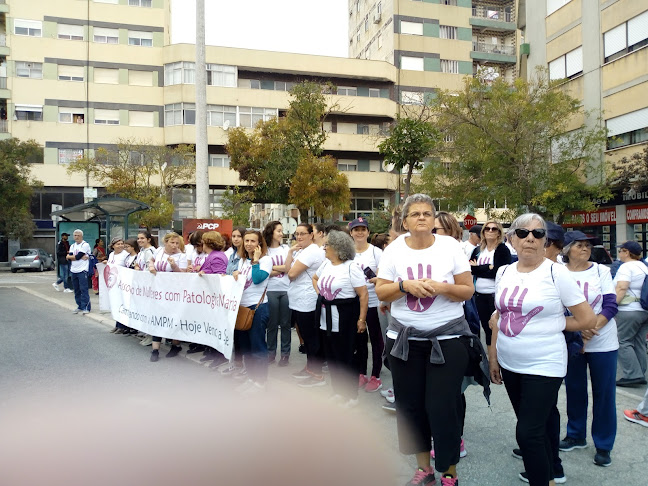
469	221
600	217
223	226
637	214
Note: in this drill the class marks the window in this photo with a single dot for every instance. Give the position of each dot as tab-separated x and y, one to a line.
380	41
280	86
219	115
141	118
106	117
65	156
219	160
363	129
140	78
140	3
411	63
71	115
412	98
250	116
138	38
448	66
567	66
628	129
374	93
29	112
447	32
70	32
220	75
172	74
105	36
348	165
70	73
452	3
32	28
173	114
347	91
626	37
553	5
106	76
411	28
107	1
189	113
29	69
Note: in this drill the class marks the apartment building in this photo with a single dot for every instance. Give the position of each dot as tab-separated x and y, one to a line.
597	50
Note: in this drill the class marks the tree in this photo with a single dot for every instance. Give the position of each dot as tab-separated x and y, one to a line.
510	143
318	185
17	186
380	221
410	141
631	172
236	206
142	171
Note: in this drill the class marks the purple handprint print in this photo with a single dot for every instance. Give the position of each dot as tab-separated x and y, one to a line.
245	273
414	303
326	288
276	261
586	293
512	320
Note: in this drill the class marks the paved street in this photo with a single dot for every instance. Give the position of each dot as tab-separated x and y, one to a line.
49	356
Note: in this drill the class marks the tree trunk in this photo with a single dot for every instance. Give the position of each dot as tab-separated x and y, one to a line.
408	179
303	215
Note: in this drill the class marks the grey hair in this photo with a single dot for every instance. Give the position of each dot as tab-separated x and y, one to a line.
418	199
342	244
77	231
565	251
523	220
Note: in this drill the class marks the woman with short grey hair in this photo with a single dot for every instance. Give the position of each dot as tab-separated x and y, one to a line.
341	312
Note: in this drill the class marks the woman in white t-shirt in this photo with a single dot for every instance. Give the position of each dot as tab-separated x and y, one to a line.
117	257
368	257
195	254
147	249
303	260
278	294
170	257
342	310
528	348
255	267
426	277
599	354
632	319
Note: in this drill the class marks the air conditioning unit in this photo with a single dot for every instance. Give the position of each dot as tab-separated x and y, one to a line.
377	17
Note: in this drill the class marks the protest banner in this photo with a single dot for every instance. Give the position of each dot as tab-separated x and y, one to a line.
183	306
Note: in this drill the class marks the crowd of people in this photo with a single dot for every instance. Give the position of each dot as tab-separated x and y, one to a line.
547	313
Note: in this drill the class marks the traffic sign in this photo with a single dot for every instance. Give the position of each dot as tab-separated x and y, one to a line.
469	221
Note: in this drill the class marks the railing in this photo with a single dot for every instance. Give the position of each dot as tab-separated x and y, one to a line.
4	126
493	49
493	13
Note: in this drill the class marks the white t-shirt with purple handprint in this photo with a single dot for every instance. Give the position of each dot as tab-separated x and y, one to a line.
338	282
370	258
485	285
532	305
252	292
301	294
441	262
278	283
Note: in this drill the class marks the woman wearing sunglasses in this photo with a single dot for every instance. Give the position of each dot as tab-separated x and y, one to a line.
529	353
485	261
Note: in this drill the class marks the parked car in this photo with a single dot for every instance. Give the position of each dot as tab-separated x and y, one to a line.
601	255
32	259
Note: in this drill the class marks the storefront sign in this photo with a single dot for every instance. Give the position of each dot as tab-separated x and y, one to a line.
223	226
603	216
637	214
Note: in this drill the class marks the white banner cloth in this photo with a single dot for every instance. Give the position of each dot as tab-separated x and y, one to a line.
183	306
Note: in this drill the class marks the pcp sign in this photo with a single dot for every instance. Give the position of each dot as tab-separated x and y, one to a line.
223	226
469	221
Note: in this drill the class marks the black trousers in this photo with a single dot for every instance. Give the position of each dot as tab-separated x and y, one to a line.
533	398
309	330
339	356
485	307
374	333
428	399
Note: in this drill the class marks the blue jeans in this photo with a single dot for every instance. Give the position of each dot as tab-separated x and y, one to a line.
253	344
279	318
81	296
64	274
602	368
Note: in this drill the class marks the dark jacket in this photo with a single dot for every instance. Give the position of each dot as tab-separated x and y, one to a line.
62	250
501	257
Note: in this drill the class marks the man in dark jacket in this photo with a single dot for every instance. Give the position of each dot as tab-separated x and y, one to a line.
62	249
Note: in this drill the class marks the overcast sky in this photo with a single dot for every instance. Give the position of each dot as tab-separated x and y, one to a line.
302	26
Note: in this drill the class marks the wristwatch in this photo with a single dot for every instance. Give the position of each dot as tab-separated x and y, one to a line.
400	286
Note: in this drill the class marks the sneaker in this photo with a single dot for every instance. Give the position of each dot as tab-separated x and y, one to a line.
422	477
241	375
558	479
569	444
218	361
312	381
173	352
630	382
56	287
208	357
636	417
336	398
351	403
284	361
389	407
113	330
76	311
389	392
68	291
373	385
271	360
362	381
155	355
462	450
195	349
325	367
602	458
302	348
231	370
85	312
303	374
448	480
147	341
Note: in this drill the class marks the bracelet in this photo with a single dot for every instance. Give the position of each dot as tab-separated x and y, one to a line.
400	286
362	320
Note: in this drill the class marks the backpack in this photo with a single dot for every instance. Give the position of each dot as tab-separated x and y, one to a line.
643	299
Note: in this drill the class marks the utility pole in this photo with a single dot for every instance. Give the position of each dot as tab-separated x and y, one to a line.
202	171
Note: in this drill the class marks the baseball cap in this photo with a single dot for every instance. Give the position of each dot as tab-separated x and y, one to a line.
64	234
556	232
632	246
358	222
476	229
572	236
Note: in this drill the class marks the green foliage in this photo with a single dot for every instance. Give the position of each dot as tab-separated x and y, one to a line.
510	143
306	112
141	171
631	172
236	206
380	221
16	187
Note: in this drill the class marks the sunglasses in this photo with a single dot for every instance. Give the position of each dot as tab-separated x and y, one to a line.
537	233
491	228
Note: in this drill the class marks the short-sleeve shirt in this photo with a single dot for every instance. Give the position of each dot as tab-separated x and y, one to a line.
440	262
485	285
118	259
144	256
634	272
301	294
370	258
78	266
197	260
532	318
280	282
162	264
252	292
338	282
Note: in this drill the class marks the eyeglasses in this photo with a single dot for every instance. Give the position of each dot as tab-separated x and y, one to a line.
537	233
417	215
491	228
302	234
435	230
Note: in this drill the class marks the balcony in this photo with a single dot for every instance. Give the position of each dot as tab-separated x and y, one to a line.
492	19
4	8
493	53
4	50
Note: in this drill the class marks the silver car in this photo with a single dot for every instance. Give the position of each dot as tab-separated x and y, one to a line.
32	259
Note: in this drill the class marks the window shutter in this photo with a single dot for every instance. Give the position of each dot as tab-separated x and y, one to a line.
614	40
638	28
574	61
628	122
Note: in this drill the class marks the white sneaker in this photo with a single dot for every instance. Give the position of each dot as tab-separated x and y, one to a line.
85	312
147	341
351	403
76	311
56	287
68	291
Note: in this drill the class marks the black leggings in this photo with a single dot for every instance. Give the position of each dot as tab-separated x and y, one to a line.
377	345
485	307
309	330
